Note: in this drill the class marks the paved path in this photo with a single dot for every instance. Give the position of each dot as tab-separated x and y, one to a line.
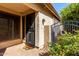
18	50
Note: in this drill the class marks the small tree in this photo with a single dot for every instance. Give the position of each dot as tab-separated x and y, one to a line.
71	12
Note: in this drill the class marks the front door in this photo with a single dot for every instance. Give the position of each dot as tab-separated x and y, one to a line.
30	29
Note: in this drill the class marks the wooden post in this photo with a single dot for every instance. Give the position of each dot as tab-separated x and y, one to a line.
25	27
21	31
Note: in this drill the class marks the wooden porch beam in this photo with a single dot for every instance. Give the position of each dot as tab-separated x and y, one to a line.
21	30
4	9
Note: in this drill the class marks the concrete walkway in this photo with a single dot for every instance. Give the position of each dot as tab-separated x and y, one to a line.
18	50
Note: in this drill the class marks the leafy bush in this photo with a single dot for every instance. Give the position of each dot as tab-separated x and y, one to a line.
66	45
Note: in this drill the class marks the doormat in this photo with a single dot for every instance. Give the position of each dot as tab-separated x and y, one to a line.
27	47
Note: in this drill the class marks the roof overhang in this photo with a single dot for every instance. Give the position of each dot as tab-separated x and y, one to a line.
26	8
15	8
52	9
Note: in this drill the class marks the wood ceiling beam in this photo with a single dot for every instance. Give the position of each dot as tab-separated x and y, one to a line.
4	9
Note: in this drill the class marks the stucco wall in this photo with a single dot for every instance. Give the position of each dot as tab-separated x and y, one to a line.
37	29
48	21
56	29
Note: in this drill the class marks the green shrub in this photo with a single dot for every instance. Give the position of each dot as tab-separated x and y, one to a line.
66	45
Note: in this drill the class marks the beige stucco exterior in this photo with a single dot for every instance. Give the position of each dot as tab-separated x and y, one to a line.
48	22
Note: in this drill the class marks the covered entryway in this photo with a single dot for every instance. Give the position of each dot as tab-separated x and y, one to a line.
30	29
13	26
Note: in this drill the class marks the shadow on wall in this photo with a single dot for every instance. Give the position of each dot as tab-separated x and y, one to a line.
56	28
2	51
53	37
